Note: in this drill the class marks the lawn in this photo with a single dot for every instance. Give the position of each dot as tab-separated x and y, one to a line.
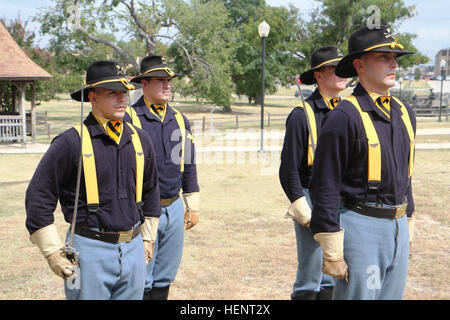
243	247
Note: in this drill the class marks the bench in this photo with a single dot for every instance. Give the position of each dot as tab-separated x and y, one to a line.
11	128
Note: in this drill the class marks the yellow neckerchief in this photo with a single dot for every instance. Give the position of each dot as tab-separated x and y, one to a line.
327	100
159	114
375	96
103	122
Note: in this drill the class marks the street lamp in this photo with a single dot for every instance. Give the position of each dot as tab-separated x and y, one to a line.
263	30
442	86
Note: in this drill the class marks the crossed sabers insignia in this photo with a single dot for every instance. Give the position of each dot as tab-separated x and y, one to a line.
388	34
119	70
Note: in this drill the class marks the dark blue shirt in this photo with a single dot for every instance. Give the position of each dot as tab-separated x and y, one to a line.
340	164
294	171
166	140
56	175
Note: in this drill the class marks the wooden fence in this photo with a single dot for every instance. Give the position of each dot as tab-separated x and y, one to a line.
254	121
237	121
431	112
41	123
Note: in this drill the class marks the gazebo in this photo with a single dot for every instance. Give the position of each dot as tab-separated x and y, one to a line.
17	70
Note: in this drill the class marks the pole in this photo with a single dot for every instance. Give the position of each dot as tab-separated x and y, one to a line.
442	86
71	253
262	92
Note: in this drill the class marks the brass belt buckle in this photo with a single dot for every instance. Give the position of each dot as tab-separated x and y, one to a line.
400	211
125	236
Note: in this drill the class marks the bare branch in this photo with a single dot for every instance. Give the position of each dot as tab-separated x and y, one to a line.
180	45
119	50
150	45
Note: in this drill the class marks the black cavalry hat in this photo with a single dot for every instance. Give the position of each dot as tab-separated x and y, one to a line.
154	66
104	74
325	56
367	40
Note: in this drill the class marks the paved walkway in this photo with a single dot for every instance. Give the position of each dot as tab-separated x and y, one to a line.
18	148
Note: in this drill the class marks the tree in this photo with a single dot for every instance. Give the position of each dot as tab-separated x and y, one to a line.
281	50
336	20
133	29
240	11
208	42
417	74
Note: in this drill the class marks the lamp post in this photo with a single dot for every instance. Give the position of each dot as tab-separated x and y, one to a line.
263	30
400	80
442	86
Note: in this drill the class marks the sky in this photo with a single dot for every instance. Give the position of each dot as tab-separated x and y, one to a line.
431	22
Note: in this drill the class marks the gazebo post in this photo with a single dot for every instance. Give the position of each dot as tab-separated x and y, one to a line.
21	106
17	69
33	114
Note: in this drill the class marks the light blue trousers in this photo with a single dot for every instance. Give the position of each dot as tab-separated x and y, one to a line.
309	254
107	271
377	253
162	270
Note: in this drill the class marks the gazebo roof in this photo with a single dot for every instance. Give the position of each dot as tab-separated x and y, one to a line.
14	63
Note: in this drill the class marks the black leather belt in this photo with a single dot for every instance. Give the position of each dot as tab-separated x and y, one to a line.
374	211
110	237
168	201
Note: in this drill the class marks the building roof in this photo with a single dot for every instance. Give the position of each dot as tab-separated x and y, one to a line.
14	63
442	51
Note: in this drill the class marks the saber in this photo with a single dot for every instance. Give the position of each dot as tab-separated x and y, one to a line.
313	143
71	253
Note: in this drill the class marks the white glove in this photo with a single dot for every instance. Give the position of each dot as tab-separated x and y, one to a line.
300	211
332	244
149	230
192	204
48	241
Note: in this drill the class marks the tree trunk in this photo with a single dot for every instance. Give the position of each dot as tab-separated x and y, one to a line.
227	109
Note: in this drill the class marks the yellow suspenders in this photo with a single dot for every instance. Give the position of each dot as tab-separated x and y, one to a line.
312	128
134	117
180	121
409	128
139	162
90	173
182	126
374	150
